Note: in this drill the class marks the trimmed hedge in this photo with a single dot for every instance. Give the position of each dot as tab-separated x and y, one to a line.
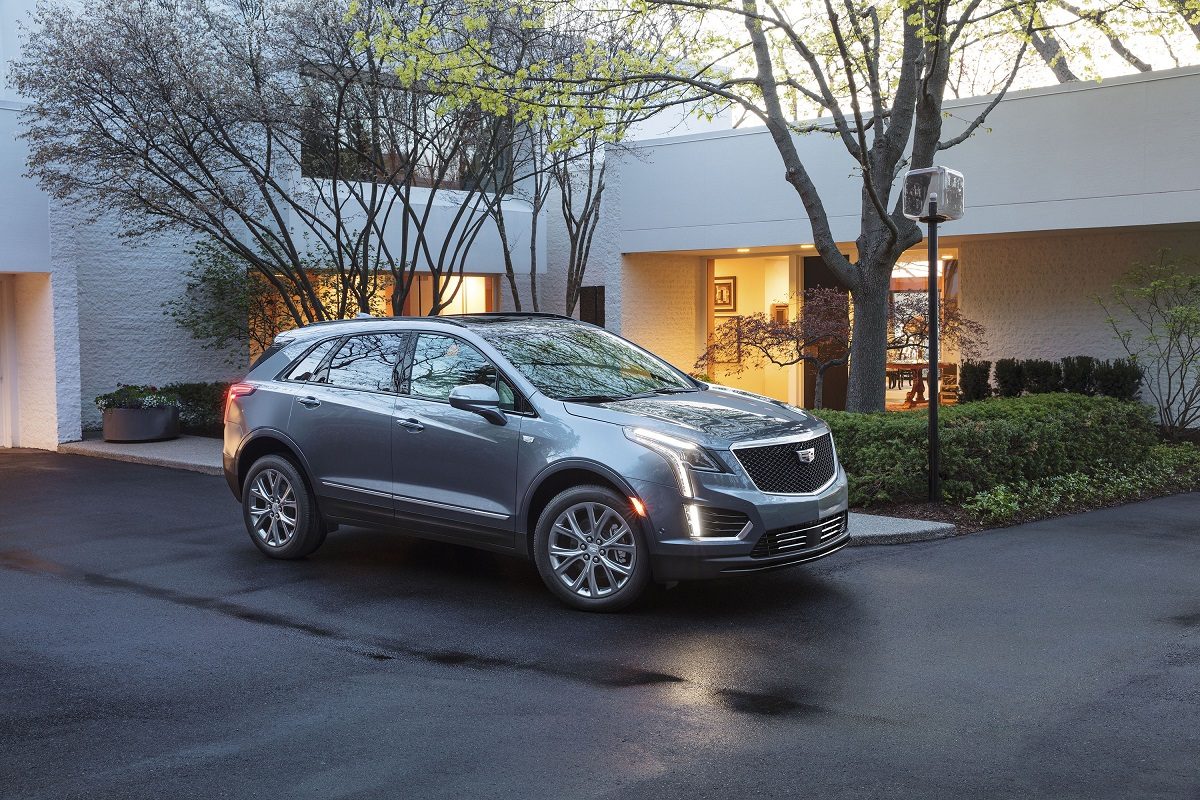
1121	378
973	381
1042	376
201	405
1167	469
1010	377
987	444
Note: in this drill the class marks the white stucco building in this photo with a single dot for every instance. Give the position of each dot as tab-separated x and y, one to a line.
81	310
1066	187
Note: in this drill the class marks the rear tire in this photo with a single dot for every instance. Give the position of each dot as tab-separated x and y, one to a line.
590	550
280	512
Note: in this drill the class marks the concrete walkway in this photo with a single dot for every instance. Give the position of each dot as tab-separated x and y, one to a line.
200	454
195	453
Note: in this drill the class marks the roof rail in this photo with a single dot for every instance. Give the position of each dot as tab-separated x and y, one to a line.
546	314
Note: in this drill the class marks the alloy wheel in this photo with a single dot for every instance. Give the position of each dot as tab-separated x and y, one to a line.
592	549
273	508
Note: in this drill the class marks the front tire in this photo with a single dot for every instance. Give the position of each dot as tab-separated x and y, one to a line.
590	550
279	510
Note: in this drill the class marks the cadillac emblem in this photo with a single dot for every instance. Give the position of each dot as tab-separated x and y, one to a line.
806	456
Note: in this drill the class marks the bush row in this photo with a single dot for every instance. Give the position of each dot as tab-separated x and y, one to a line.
987	444
201	405
1165	470
1120	378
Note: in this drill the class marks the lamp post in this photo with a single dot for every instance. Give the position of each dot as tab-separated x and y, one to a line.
933	195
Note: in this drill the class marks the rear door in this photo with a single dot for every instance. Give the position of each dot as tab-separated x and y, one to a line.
342	419
454	471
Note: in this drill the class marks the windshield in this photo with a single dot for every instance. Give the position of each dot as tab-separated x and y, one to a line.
572	362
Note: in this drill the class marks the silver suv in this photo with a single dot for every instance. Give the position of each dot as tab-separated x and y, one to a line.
528	434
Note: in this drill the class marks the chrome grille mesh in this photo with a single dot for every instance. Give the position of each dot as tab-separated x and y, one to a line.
777	468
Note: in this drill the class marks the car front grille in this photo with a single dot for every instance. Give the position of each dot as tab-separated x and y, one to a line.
796	540
721	521
777	468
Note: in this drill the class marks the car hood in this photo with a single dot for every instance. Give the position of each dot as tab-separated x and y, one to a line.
715	417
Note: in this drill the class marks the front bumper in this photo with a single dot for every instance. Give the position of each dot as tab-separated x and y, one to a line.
677	555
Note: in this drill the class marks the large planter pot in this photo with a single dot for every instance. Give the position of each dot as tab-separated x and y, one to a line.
140	424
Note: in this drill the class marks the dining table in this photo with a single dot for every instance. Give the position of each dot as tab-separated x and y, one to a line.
916	395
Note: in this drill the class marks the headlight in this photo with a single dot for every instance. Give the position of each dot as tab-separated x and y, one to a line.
681	454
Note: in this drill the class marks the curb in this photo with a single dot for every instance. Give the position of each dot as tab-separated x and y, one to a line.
872	529
85	448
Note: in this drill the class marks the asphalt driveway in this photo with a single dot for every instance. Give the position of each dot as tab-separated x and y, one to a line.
148	650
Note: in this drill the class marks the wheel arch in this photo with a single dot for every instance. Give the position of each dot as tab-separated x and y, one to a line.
557	478
271	442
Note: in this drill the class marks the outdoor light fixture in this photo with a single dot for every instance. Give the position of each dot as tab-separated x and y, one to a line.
933	195
743	249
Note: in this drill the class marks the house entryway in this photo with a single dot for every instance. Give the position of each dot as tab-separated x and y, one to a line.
28	382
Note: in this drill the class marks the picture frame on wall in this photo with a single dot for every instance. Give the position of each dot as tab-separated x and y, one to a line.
725	294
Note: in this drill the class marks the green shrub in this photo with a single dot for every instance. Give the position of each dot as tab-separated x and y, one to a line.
987	444
1121	378
1079	374
1010	378
974	381
134	396
1042	377
1165	469
201	405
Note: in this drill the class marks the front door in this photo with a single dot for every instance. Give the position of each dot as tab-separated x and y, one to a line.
342	419
454	471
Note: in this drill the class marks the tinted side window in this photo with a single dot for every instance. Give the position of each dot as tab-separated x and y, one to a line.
306	368
442	362
368	362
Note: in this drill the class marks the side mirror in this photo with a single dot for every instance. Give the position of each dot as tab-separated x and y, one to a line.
479	399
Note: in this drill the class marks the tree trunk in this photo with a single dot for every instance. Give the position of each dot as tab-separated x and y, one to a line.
867	385
819	389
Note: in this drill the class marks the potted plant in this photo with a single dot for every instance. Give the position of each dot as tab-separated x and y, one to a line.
139	414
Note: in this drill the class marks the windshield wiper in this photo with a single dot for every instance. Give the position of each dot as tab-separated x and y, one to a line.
603	398
675	389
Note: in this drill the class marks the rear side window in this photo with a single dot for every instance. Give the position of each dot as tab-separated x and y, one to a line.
306	369
370	362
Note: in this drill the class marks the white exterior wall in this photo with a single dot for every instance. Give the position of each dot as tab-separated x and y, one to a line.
664	305
1082	155
123	335
1034	294
90	304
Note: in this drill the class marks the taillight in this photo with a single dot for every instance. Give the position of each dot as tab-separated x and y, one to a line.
236	390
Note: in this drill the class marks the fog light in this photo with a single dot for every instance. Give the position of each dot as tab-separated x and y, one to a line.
693	518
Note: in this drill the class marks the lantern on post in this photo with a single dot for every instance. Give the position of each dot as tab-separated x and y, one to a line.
933	195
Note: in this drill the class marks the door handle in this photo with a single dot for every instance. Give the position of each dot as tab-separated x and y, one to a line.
411	425
309	402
